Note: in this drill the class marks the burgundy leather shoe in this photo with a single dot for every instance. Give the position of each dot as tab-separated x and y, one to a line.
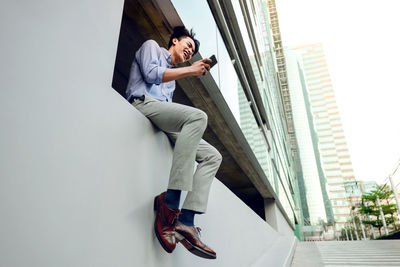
189	236
164	225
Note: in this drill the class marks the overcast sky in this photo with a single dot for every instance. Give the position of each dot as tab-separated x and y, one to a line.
362	44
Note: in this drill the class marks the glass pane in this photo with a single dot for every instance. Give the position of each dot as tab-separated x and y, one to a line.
211	43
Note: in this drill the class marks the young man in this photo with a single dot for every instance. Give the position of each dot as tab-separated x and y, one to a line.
150	89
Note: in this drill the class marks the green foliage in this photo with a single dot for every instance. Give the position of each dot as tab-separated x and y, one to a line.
389	209
374	223
370	207
343	234
368	210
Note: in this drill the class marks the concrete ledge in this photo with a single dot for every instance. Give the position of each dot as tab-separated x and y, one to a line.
286	244
104	216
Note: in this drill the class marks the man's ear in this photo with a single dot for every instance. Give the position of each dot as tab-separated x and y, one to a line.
175	41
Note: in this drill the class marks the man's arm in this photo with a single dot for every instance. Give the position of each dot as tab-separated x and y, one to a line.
197	69
148	60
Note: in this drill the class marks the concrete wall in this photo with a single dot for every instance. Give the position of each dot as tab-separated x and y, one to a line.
79	166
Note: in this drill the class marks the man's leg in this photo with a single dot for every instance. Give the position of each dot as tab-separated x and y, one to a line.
209	160
190	123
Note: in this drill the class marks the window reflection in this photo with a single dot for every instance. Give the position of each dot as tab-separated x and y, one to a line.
211	43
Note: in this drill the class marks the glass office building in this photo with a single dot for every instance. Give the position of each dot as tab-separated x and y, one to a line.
332	164
309	161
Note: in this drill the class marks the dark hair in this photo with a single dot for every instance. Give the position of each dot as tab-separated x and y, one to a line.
179	32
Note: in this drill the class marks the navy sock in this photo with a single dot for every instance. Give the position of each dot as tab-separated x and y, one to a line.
187	217
172	198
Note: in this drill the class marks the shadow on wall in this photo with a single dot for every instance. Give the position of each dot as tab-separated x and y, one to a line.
129	42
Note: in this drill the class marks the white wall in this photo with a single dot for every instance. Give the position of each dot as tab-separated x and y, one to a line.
79	166
276	219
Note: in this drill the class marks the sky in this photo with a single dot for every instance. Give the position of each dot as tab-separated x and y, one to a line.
362	45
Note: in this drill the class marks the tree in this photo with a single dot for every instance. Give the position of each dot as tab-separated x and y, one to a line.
370	207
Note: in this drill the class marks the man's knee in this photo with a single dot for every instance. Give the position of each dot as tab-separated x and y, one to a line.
216	157
200	117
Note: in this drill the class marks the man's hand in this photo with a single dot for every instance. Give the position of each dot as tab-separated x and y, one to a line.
200	67
197	69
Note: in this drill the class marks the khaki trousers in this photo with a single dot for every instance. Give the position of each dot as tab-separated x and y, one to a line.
185	126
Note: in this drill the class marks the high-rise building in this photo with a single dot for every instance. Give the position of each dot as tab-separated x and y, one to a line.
332	156
314	189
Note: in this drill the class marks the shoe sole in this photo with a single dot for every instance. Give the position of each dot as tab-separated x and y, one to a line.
194	249
155	227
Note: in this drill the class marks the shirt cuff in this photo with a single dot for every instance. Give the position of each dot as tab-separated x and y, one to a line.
160	74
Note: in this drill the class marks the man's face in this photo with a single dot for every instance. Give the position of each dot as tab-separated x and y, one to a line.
183	49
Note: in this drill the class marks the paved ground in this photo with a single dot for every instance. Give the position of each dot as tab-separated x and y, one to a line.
347	253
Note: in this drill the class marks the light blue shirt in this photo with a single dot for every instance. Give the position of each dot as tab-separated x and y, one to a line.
146	73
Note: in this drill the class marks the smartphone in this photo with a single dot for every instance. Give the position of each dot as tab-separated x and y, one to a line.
213	61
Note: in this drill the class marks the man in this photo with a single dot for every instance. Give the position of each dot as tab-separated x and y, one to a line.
150	89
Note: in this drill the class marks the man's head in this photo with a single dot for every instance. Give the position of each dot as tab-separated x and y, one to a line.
182	45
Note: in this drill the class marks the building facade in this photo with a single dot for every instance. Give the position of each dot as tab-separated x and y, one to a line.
275	150
329	142
304	132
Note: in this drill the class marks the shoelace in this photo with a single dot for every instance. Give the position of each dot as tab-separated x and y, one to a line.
198	230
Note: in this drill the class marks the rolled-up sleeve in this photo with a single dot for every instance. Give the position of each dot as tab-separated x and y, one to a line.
148	60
